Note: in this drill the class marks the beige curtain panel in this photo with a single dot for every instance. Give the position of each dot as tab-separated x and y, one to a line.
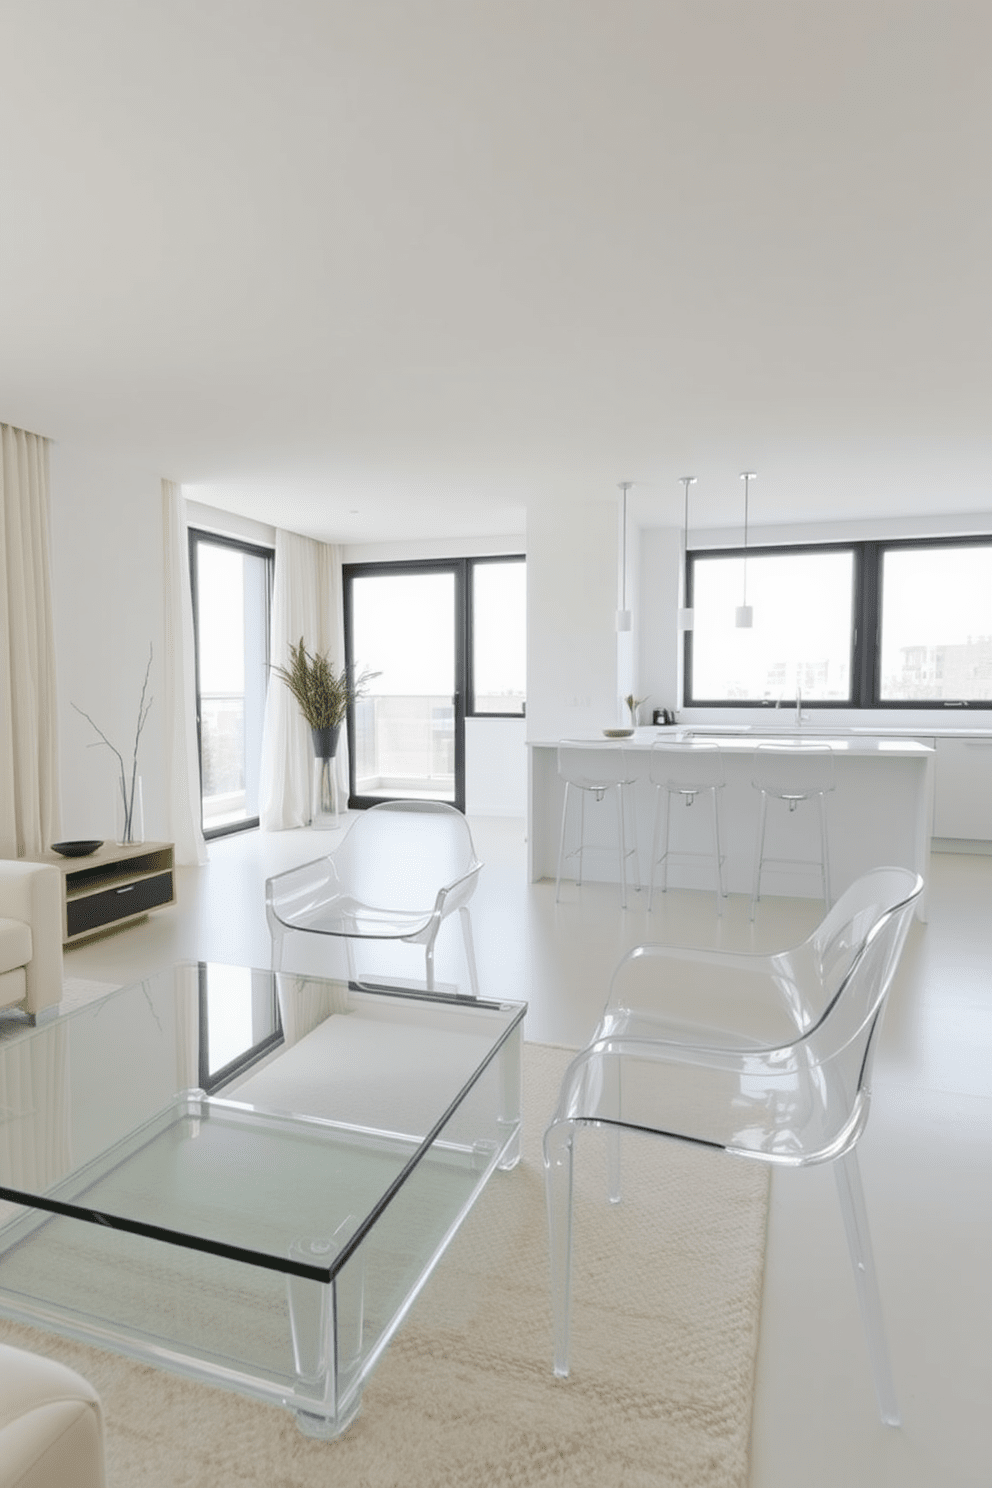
30	810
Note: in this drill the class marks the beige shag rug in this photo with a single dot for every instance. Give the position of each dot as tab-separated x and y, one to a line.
666	1305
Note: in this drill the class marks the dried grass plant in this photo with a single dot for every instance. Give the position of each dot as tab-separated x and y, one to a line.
322	693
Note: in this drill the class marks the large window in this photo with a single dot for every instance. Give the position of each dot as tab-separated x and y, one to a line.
497	653
902	624
936	630
447	639
232	583
801	638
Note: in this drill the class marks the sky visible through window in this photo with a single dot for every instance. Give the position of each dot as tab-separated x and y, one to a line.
801	632
220	609
937	624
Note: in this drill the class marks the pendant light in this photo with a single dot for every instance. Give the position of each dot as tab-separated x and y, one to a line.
686	613
623	614
744	614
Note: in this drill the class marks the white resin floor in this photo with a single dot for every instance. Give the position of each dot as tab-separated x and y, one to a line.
926	1156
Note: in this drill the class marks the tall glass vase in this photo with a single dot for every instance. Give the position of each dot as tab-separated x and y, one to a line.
130	812
324	812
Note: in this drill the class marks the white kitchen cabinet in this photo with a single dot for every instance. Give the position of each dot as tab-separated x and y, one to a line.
962	805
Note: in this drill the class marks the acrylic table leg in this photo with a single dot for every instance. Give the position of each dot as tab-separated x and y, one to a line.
510	1059
326	1321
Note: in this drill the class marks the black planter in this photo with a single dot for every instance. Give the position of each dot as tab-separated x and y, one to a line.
325	741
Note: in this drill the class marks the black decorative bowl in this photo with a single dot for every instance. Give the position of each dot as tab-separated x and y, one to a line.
80	849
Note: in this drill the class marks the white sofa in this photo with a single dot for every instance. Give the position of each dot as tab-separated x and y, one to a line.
51	1425
30	937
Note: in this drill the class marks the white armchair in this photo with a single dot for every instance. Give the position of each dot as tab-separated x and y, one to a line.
30	937
51	1425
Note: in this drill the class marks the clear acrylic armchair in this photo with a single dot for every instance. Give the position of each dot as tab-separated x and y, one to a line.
402	870
766	1056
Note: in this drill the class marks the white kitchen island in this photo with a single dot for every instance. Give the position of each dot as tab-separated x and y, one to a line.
880	813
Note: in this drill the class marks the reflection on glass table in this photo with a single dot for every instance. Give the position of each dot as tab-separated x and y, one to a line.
766	1057
248	1176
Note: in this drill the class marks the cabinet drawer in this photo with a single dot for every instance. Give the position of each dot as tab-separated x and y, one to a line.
92	911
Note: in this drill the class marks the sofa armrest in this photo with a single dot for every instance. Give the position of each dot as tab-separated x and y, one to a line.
32	892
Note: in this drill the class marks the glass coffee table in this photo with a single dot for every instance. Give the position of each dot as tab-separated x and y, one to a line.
247	1176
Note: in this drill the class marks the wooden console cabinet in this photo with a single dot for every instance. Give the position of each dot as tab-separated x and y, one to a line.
113	886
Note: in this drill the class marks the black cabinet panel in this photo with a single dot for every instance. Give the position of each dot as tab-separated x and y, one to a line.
92	911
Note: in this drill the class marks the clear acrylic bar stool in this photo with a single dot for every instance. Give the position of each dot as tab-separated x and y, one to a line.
768	1057
793	773
591	768
685	771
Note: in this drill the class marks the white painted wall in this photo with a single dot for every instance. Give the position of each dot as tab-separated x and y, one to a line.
660	661
495	767
572	654
107	570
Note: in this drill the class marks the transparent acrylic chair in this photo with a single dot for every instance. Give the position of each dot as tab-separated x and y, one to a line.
402	870
685	771
793	773
591	768
766	1056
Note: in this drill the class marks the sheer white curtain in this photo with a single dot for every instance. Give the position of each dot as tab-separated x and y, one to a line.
306	602
182	757
30	806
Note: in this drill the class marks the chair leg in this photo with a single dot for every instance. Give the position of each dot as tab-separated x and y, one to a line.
756	885
349	951
612	1099
473	975
559	1153
277	940
429	957
852	1204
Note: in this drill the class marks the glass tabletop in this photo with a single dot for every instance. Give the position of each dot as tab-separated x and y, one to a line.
247	1175
230	1107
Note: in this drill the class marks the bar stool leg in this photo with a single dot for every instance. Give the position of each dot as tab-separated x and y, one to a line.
654	843
756	886
623	847
561	841
825	850
635	851
719	858
582	836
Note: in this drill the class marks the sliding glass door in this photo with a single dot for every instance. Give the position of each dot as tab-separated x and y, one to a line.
407	736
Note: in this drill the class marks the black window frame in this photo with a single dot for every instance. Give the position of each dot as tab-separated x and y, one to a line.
464	694
866	622
255	550
472	567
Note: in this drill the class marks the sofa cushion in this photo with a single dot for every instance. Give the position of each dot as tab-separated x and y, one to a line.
15	944
51	1424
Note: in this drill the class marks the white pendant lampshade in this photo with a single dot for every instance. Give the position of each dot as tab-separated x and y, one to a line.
744	613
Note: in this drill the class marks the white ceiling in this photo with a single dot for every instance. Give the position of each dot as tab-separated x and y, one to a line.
390	268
